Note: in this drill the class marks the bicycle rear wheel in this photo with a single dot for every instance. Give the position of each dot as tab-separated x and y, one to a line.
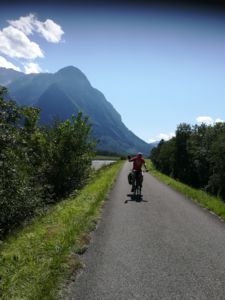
137	190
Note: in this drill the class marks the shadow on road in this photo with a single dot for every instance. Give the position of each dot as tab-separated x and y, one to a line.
135	198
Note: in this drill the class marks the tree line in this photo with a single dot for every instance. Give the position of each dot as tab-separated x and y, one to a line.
195	156
39	165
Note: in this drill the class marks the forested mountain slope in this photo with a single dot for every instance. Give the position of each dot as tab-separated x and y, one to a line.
67	92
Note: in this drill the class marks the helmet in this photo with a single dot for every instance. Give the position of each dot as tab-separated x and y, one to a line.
139	154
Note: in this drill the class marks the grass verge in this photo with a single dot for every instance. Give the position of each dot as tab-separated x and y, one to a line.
37	259
212	203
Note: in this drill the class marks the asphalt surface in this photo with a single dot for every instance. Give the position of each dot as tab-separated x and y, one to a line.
163	247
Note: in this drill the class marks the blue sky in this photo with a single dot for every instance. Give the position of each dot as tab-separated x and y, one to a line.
159	66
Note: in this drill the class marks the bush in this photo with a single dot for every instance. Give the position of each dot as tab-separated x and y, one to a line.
39	165
69	151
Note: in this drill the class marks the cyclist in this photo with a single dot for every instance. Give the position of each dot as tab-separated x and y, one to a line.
138	162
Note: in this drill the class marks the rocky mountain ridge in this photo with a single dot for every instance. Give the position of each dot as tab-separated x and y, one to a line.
67	92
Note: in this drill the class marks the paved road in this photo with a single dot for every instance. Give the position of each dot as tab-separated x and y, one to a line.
164	247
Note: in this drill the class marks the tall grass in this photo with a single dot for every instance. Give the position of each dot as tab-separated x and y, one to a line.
37	259
212	203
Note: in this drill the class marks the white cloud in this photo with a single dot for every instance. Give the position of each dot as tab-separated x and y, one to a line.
205	119
162	136
218	120
14	39
208	120
32	68
49	30
15	43
166	136
24	24
152	140
8	65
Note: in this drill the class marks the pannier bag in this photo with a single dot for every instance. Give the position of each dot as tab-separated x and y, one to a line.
130	178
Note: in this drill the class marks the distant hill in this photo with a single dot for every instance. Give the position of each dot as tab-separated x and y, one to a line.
9	75
67	92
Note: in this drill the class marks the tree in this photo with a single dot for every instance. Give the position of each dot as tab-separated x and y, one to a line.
39	165
195	156
18	198
69	155
182	162
216	184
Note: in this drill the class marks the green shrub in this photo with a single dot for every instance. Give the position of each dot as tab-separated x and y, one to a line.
39	165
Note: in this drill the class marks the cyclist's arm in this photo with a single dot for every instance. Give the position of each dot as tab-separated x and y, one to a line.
146	169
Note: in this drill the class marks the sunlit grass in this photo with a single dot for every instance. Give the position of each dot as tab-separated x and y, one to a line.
35	261
212	203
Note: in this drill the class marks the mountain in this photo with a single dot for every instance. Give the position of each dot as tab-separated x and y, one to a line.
67	92
9	75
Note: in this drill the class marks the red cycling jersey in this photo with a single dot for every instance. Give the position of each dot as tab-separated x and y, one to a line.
138	162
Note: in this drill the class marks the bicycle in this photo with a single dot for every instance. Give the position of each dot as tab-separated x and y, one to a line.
138	179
